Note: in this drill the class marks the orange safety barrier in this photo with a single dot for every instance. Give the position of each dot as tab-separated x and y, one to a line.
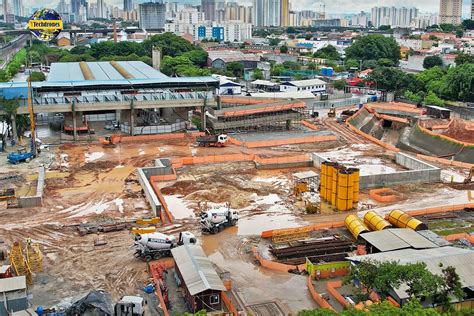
234	141
392	301
269	233
289	141
383	195
270	108
449	139
168	263
281	160
316	296
163	203
276	266
374	296
403	107
448	162
454	237
393	118
124	139
309	125
240	100
229	304
440	209
446	126
331	287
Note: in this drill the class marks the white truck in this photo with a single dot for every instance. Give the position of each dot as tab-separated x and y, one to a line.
214	220
130	306
212	140
157	245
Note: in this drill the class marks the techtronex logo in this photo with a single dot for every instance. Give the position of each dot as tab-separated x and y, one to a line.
45	24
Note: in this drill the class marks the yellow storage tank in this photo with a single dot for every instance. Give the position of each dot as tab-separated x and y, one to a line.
375	222
335	176
355	225
344	190
403	220
355	187
330	171
323	181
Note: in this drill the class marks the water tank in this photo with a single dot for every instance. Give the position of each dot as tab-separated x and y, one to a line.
329	71
403	220
355	225
324	71
375	222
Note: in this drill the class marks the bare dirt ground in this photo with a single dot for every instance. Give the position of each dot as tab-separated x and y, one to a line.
87	183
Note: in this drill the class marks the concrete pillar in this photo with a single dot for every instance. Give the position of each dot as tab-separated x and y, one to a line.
14	131
288	124
132	117
118	115
74	125
203	119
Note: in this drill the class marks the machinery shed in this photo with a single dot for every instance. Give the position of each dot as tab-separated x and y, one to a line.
395	239
201	284
13	296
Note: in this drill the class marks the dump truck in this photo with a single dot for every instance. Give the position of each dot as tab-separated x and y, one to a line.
332	112
212	140
215	220
157	245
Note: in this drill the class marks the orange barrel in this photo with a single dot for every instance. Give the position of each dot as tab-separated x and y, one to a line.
375	222
344	190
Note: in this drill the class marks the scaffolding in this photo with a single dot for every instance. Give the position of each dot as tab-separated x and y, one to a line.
34	257
19	263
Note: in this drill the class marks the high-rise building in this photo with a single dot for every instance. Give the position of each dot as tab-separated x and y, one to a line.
259	12
361	19
62	7
209	8
5	10
273	13
101	9
450	11
285	13
18	8
127	5
472	9
395	17
152	15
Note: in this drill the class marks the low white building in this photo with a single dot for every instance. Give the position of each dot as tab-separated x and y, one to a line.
314	86
229	87
230	31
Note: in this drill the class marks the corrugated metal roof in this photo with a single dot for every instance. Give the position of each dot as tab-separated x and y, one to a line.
397	238
304	83
433	237
4	268
102	70
13	284
459	258
196	269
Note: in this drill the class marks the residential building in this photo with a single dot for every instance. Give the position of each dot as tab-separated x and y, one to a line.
231	31
18	9
285	13
259	12
209	8
219	59
127	5
327	23
450	11
273	13
5	10
189	16
395	17
424	21
472	9
152	15
101	9
314	86
62	8
361	19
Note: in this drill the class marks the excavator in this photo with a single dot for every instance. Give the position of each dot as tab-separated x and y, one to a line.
21	155
110	141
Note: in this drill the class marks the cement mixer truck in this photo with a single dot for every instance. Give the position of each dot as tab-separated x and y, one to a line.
214	220
157	245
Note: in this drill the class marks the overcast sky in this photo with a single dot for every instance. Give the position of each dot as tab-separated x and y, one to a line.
332	6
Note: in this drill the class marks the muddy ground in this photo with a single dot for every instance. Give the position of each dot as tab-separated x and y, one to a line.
86	183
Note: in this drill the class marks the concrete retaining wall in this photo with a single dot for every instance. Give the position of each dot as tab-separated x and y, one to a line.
420	172
36	200
148	191
283	165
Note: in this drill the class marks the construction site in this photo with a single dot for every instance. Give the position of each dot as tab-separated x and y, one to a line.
266	201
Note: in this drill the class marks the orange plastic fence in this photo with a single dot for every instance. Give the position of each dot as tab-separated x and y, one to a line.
240	100
289	141
163	203
276	266
309	125
446	161
281	160
269	108
229	304
124	139
427	131
378	195
154	273
316	296
332	288
454	237
441	209
374	296
393	302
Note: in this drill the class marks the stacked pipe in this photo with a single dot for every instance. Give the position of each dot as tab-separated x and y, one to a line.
403	220
339	185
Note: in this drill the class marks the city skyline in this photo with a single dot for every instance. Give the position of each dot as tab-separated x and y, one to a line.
332	7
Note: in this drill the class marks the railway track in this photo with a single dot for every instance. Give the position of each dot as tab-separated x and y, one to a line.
344	132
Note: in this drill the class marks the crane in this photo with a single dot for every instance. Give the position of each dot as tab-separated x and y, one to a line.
21	155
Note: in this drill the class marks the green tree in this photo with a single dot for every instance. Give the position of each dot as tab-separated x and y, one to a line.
37	76
274	41
384	27
312	66
451	285
352	63
428	80
257	74
462	58
327	52
339	84
374	47
468	24
169	43
369	64
389	78
432	61
308	36
385	62
198	57
291	65
236	68
447	27
415	97
458	83
284	49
